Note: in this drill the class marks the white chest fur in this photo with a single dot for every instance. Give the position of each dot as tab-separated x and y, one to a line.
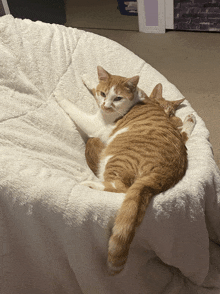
104	132
103	126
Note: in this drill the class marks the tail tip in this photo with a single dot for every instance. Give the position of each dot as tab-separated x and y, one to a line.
114	270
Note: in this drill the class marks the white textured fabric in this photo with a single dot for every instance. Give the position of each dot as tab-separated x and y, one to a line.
53	231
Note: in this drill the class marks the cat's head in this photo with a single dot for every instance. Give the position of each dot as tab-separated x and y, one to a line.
169	107
115	93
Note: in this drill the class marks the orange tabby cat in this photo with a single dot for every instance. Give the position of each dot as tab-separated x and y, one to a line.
94	146
143	155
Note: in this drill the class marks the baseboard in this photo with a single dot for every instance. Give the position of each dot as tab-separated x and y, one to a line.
4	9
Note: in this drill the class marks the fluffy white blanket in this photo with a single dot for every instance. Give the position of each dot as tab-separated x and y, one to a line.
53	231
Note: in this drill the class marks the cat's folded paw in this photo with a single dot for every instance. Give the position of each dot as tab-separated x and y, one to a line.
189	124
191	118
93	185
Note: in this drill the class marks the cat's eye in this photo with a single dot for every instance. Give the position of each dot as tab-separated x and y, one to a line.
103	94
117	98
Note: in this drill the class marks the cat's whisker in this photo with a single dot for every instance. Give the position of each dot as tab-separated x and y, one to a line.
117	111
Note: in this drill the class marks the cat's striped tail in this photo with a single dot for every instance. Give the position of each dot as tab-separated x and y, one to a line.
129	216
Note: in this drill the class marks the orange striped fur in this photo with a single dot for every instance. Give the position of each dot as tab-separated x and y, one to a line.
146	159
94	146
139	149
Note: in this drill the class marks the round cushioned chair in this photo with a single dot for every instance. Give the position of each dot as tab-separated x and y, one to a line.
54	231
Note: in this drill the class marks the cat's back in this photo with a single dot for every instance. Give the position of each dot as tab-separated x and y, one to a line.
145	139
147	122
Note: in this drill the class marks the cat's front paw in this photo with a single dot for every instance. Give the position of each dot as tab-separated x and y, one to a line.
63	103
59	99
93	185
86	81
90	85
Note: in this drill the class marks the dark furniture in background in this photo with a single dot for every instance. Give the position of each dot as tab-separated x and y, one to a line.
50	11
127	9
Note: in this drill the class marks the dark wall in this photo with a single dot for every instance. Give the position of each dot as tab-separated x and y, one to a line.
197	15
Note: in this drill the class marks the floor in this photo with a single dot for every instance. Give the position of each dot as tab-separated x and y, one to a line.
189	60
98	14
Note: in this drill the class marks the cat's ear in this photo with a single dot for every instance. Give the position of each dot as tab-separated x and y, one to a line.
103	75
177	103
132	82
157	92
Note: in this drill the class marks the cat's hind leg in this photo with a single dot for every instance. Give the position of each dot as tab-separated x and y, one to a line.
94	147
188	126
